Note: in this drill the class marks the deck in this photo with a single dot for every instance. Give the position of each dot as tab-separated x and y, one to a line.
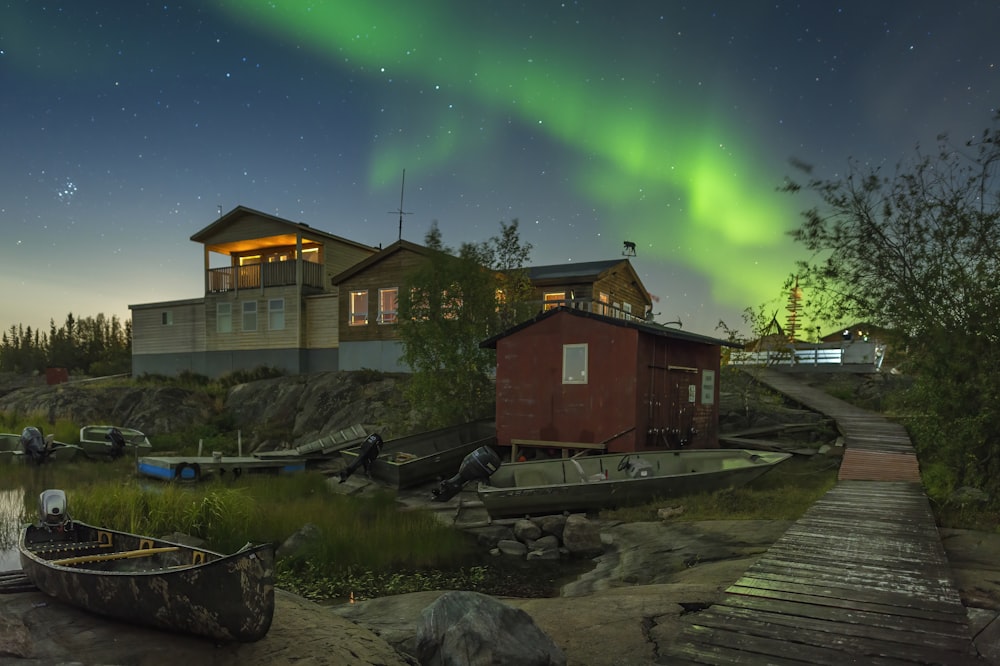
861	578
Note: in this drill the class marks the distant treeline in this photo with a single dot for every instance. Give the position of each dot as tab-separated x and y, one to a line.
92	345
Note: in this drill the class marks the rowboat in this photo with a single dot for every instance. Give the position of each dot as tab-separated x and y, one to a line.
148	581
32	448
108	441
611	480
410	461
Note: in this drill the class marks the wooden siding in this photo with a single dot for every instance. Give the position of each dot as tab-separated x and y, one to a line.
262	337
185	334
390	272
322	321
248	227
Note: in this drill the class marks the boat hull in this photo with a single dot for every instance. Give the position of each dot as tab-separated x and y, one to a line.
11	451
172	587
94	442
596	482
429	456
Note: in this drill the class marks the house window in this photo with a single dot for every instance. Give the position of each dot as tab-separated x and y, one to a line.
250	316
575	364
167	318
628	310
359	308
603	307
387	305
451	303
553	299
224	318
276	314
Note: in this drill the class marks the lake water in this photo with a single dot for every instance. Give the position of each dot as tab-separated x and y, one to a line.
11	505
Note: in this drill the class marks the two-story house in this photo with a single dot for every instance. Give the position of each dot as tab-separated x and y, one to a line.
268	301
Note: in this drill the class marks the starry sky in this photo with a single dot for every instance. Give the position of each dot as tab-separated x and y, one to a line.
128	126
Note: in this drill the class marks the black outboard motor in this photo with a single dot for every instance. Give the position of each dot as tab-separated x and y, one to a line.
370	450
117	440
477	466
33	444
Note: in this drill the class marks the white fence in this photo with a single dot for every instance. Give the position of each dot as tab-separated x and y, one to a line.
853	353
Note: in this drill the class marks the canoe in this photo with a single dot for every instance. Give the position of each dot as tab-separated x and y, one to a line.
428	456
97	441
148	581
12	450
611	480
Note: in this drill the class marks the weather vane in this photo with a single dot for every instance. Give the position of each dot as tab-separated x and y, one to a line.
402	189
629	249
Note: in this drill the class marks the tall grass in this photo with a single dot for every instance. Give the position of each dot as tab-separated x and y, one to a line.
64	430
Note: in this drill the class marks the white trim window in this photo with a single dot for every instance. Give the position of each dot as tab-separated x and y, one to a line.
388	305
276	314
249	316
224	318
553	299
359	308
574	364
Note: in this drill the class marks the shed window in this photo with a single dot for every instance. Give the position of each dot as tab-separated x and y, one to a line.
276	314
575	364
387	305
167	318
224	318
250	316
359	308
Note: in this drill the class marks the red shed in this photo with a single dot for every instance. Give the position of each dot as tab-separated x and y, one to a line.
571	376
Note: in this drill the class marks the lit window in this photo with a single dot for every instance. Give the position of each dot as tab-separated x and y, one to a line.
250	316
451	303
359	308
276	314
603	307
167	318
387	305
553	299
224	318
575	364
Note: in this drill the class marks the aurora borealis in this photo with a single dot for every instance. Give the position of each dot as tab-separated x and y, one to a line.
672	125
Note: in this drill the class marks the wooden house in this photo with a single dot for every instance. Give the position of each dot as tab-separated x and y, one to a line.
268	300
611	288
571	376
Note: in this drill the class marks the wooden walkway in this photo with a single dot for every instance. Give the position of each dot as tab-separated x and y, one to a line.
861	578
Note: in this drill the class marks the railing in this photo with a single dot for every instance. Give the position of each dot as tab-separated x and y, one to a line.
852	353
589	305
256	276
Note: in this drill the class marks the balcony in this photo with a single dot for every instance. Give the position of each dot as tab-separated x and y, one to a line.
589	305
259	276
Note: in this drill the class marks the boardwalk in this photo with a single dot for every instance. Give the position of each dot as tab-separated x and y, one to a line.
861	578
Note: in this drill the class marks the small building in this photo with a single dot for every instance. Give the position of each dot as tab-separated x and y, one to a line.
573	376
610	287
268	301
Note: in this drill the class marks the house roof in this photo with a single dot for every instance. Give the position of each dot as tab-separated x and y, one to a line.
644	327
585	271
399	246
231	218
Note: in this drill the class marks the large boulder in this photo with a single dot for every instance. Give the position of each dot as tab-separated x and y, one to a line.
581	537
472	629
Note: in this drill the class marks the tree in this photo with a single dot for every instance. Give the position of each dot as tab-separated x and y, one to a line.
917	252
447	307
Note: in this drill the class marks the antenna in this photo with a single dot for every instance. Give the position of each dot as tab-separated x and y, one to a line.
402	189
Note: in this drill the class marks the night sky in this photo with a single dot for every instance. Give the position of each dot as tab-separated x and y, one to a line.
127	126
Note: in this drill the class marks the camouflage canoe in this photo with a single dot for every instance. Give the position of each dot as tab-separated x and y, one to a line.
149	581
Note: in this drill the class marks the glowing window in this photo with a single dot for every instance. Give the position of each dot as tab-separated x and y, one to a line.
387	305
553	299
359	308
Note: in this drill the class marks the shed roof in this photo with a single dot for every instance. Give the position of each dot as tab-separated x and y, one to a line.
648	328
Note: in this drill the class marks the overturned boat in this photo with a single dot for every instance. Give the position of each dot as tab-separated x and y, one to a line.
612	480
149	581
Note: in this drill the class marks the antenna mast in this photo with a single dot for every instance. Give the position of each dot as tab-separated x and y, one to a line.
402	189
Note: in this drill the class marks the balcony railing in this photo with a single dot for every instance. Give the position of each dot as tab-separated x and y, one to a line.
590	305
257	276
849	353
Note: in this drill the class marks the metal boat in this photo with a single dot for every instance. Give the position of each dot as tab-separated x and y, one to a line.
611	480
108	441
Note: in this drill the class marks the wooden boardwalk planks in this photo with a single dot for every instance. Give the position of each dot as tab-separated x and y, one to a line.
861	578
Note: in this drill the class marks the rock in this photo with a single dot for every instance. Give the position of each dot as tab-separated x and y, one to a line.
525	530
546	548
669	512
582	537
490	535
512	547
553	525
298	540
471	629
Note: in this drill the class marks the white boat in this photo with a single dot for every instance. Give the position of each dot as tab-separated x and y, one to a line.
611	480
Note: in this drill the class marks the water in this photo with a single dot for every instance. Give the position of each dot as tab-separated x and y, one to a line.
11	506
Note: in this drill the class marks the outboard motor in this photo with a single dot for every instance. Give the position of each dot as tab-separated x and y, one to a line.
117	440
370	450
638	468
52	508
34	445
477	466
